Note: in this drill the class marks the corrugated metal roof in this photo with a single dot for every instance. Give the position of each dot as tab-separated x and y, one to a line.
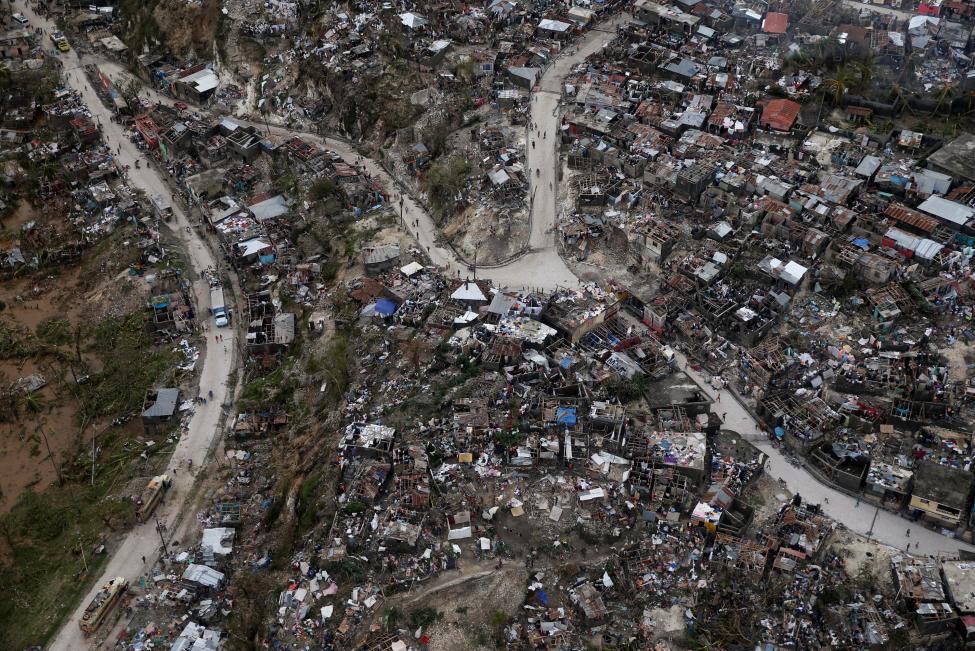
906	215
780	114
940	207
165	404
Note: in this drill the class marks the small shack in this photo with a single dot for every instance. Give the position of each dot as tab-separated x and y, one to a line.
158	409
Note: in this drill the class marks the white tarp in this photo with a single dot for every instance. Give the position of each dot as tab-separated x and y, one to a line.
459	534
219	539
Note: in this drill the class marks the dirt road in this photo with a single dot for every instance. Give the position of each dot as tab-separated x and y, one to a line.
542	267
217	361
888	528
543	162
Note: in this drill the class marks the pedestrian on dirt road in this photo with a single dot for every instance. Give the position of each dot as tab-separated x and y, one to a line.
908	533
143	560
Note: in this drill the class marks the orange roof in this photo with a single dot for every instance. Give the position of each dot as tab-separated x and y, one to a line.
780	114
775	23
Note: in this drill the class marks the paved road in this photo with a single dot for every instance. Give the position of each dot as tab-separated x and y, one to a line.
889	528
890	11
217	361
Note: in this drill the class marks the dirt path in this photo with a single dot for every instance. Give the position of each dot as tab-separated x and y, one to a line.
543	267
218	363
543	160
452	581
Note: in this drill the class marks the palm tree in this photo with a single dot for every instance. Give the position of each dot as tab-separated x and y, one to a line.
947	91
838	85
971	100
900	99
865	69
32	402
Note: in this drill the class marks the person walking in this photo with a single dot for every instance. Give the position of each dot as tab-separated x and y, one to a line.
908	533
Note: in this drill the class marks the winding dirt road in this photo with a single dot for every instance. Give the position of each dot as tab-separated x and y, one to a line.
217	361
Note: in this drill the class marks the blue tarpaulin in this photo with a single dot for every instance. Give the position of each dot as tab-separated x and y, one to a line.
543	597
862	242
565	416
385	306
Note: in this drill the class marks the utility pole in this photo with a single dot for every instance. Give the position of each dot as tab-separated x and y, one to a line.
50	455
872	522
159	530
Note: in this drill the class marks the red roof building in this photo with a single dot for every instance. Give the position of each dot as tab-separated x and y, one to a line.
146	126
780	114
775	23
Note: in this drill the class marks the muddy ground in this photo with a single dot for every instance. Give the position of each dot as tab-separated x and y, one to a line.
46	424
